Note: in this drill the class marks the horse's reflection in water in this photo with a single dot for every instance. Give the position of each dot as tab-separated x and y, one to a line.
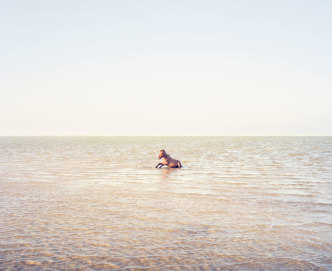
167	172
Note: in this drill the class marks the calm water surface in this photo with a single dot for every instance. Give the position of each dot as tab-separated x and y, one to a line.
98	203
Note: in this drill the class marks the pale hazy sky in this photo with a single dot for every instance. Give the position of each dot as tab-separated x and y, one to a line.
166	67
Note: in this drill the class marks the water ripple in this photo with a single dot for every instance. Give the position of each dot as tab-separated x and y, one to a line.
98	203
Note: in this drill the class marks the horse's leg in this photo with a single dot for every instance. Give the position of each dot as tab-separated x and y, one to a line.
158	165
161	165
179	164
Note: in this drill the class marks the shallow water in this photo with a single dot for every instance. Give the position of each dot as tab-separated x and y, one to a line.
98	203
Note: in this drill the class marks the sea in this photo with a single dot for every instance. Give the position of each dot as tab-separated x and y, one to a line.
99	203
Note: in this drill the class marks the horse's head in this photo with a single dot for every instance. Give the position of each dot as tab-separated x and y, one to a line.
161	154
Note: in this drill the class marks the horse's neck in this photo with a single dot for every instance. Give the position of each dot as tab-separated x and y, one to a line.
167	157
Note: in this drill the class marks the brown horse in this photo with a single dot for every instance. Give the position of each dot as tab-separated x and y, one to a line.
168	160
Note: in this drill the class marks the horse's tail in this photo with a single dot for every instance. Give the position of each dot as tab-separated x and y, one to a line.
179	164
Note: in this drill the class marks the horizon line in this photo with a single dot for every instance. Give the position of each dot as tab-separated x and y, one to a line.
190	135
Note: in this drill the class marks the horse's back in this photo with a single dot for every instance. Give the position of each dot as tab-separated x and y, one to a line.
174	163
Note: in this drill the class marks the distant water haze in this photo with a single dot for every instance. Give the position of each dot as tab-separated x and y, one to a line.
98	203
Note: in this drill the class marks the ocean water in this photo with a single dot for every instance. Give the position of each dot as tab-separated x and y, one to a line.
98	203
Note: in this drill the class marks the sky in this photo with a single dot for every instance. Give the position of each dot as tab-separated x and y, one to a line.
165	67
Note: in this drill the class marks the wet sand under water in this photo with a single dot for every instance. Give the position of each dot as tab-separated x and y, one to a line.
98	203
